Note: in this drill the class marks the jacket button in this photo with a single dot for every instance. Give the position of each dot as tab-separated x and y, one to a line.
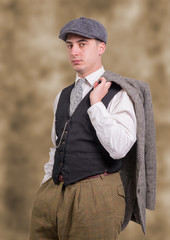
138	190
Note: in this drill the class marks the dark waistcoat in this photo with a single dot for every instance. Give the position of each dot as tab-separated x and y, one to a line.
79	154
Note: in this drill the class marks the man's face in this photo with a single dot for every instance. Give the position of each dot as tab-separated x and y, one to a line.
84	54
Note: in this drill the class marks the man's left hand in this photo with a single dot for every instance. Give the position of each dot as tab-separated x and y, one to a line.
99	91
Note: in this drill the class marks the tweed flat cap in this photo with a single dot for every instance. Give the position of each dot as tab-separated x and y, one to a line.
85	27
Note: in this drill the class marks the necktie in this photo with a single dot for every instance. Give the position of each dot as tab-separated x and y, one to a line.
76	95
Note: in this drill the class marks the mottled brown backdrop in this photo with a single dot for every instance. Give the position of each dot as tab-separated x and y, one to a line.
34	67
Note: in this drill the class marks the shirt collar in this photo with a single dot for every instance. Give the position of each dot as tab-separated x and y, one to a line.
93	77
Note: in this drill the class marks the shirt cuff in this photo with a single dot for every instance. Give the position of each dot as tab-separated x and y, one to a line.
96	110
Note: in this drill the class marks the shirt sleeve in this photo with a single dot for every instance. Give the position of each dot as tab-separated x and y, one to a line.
48	167
115	126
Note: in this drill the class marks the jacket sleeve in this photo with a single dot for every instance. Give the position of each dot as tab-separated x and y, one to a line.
150	151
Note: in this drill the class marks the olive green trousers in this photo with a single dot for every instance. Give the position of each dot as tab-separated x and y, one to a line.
91	209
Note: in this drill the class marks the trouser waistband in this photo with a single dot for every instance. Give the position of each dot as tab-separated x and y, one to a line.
61	179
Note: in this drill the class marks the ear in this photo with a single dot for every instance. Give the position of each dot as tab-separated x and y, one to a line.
101	48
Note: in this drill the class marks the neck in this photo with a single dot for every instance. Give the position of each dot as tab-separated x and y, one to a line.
85	74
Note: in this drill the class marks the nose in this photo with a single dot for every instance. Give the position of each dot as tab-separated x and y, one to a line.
75	50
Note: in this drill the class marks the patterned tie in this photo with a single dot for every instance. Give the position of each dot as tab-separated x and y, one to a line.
76	95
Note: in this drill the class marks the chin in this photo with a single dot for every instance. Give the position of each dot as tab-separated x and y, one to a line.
78	69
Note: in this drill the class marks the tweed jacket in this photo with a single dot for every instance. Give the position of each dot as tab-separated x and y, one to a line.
139	169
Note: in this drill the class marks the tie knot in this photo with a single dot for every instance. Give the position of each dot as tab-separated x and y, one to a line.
81	81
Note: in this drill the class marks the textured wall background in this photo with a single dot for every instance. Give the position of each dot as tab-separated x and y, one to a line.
34	67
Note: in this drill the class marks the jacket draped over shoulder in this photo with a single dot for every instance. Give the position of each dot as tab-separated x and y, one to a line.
139	170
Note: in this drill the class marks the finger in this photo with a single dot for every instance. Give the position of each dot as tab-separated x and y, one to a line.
103	80
108	84
96	84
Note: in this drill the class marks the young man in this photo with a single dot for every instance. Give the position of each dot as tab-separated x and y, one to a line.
82	196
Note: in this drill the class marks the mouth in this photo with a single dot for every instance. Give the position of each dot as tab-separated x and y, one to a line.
76	61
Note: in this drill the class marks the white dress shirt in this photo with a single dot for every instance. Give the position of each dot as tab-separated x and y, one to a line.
115	126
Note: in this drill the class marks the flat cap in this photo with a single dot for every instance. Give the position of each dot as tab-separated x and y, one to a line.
85	27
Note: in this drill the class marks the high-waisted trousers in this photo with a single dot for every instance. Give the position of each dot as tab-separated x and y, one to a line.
91	209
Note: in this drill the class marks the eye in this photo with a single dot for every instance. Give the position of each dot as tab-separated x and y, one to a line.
82	44
69	46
